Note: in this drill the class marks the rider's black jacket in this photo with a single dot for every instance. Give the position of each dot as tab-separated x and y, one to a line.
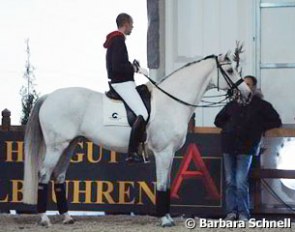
243	125
118	66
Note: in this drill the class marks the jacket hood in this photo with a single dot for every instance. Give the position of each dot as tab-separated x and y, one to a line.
255	94
110	38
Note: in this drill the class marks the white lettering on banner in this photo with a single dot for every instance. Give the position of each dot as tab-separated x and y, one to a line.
252	223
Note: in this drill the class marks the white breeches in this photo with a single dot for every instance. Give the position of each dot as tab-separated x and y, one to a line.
130	95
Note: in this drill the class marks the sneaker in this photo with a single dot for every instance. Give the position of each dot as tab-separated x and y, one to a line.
230	217
243	217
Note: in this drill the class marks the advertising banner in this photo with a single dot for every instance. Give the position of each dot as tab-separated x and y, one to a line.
101	180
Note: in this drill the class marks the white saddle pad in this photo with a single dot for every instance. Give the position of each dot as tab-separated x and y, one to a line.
114	113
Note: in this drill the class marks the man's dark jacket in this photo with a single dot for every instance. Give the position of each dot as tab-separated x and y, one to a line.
243	126
118	66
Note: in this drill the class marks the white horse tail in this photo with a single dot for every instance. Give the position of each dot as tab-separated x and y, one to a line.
34	151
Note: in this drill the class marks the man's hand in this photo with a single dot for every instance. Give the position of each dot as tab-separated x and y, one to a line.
139	69
136	65
143	71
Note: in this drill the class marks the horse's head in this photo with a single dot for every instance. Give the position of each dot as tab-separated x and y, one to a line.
229	79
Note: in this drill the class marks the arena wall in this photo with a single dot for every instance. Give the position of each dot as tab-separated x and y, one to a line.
101	180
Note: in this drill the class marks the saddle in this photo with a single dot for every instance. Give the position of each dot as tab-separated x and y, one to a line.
145	96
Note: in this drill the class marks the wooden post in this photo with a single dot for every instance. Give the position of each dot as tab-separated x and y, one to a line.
257	197
6	121
191	124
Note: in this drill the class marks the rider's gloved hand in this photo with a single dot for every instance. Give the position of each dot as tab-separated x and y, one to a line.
143	71
136	65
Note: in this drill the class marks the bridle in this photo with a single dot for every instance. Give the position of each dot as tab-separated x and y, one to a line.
232	85
233	90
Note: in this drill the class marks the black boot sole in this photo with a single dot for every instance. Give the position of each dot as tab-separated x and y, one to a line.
132	160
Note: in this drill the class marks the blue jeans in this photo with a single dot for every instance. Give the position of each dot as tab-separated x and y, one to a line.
237	197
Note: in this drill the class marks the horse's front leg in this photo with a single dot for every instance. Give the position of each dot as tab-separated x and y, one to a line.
164	162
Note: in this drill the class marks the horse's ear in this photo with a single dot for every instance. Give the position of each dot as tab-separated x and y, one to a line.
227	56
236	57
224	57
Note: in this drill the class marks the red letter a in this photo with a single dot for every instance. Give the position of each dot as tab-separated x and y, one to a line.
194	155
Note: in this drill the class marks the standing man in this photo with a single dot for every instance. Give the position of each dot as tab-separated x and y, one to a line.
121	74
242	129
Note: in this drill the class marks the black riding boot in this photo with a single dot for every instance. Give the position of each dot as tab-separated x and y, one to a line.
136	136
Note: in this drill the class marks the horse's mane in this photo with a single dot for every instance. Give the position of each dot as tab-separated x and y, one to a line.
184	66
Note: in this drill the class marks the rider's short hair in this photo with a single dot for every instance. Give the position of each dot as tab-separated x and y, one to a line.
122	19
254	80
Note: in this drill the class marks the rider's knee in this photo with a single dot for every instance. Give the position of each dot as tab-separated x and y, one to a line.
145	116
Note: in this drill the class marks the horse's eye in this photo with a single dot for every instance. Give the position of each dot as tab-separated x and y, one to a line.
230	71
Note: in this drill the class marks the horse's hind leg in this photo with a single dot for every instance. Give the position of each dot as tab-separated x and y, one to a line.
59	175
62	204
51	159
61	199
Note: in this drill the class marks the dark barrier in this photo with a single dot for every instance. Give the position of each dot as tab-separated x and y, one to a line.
101	180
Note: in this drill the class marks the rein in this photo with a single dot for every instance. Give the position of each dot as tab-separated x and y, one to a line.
231	84
168	94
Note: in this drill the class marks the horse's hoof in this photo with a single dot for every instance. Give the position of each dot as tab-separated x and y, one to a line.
45	224
167	222
171	219
68	221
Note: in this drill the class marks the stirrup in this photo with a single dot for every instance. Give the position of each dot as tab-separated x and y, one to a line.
142	156
134	157
144	152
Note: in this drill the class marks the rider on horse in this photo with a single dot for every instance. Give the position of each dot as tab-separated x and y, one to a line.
121	74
